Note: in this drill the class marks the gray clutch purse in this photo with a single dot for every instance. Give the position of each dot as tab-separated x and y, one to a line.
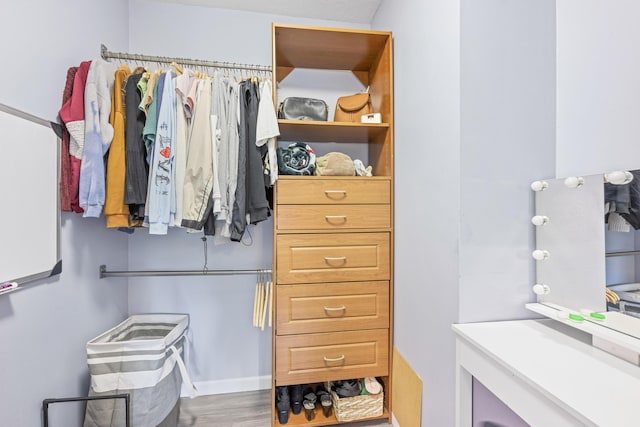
296	108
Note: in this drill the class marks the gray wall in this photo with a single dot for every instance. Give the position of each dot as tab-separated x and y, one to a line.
474	102
45	326
427	192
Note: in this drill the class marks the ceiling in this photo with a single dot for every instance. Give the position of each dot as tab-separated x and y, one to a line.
355	11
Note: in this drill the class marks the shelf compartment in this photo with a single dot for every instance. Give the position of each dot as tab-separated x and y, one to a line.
326	48
313	131
320	420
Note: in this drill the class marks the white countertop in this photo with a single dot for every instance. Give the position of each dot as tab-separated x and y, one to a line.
559	362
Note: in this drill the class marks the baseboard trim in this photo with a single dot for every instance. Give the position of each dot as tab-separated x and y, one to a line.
233	385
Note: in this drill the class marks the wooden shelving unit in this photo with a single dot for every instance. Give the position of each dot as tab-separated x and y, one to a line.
333	236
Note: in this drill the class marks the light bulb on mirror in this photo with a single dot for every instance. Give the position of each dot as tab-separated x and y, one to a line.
618	177
539	220
540	289
540	254
574	181
539	185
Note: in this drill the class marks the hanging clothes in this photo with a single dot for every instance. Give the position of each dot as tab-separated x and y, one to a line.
198	179
98	134
72	115
115	210
65	160
160	194
226	98
183	84
266	132
137	169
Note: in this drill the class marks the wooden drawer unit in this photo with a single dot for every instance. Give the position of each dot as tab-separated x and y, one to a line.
309	358
331	307
344	257
325	191
333	217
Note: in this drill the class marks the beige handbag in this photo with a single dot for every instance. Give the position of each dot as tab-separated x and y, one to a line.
351	108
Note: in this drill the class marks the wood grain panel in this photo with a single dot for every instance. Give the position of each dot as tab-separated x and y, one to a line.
331	307
333	217
315	258
328	191
309	358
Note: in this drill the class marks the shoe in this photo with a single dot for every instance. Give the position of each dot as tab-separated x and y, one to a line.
309	409
372	385
296	398
282	404
348	388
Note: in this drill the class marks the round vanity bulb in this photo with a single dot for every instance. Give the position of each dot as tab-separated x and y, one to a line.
539	185
540	254
574	181
539	220
618	177
540	289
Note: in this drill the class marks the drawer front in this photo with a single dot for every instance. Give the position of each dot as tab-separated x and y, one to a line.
345	257
333	191
329	307
333	217
312	358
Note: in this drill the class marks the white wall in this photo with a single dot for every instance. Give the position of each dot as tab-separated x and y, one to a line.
598	99
427	192
229	354
45	326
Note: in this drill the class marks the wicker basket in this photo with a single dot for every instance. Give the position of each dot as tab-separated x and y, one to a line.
357	407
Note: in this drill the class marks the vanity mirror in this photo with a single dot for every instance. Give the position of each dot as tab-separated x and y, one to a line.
585	255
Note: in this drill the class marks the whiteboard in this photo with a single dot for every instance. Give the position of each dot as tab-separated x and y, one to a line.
29	212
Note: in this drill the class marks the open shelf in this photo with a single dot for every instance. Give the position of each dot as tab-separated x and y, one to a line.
326	48
312	131
320	420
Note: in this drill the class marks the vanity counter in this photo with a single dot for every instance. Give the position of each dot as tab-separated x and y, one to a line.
546	372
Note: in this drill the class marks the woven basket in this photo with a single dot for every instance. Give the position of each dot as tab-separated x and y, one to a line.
357	407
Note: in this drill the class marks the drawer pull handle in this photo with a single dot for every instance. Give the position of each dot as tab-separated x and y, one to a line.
333	359
330	193
330	260
341	308
333	218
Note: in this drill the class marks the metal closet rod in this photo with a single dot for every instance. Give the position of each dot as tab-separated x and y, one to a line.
106	54
623	253
139	273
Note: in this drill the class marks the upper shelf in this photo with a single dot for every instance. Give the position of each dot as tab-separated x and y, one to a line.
326	48
312	131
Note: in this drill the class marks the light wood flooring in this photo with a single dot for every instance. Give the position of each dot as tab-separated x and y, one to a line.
248	409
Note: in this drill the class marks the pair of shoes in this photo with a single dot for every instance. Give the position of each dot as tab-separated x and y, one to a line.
282	404
347	388
309	403
371	385
296	398
325	400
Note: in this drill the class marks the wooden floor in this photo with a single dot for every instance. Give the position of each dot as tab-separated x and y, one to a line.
249	409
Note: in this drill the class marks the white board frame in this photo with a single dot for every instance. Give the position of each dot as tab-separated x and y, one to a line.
29	176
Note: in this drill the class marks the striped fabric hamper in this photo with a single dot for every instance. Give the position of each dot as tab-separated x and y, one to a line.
142	356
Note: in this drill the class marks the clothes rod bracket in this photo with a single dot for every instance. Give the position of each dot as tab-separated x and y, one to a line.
142	273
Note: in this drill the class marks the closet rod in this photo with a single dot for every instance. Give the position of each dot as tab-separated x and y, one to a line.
106	54
623	253
139	273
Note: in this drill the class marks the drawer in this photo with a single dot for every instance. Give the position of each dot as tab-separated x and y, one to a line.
330	257
333	217
309	358
333	191
329	307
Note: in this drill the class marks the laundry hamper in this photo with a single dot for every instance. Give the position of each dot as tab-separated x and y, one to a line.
142	356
